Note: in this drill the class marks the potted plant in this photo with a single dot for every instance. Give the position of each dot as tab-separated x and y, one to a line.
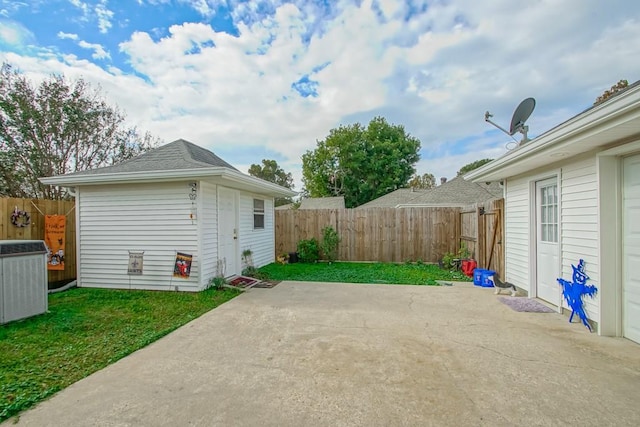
282	258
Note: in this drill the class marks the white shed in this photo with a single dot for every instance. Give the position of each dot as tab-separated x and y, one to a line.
178	198
574	193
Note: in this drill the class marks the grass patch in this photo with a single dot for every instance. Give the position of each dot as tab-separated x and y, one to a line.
84	331
352	272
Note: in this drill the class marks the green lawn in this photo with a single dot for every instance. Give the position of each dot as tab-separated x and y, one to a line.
84	331
409	274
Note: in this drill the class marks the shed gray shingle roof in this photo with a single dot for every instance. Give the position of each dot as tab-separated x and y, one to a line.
456	192
177	155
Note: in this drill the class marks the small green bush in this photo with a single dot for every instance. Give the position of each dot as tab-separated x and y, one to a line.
330	241
217	282
308	250
251	271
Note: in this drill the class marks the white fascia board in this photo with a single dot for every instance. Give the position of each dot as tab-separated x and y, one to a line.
565	134
244	181
130	177
257	184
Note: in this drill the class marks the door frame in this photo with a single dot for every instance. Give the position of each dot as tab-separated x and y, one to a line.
610	227
609	175
230	270
533	231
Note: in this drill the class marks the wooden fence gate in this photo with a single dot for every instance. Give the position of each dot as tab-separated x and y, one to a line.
37	209
481	231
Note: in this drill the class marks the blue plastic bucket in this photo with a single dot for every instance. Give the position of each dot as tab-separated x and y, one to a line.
477	276
486	282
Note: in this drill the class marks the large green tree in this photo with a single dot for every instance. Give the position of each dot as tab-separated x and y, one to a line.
473	165
270	171
57	127
360	163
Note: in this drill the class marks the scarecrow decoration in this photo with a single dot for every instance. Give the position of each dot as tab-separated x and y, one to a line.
573	292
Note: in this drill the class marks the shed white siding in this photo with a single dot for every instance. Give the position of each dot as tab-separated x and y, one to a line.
208	223
579	224
517	232
154	218
260	241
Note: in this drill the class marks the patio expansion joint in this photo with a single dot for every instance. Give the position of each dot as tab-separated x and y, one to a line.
522	359
332	326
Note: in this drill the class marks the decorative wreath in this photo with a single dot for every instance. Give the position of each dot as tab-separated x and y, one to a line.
20	218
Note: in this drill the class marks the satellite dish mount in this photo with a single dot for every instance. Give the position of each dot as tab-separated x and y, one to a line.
520	116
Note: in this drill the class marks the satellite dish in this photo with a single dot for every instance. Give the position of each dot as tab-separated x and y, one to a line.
520	116
522	113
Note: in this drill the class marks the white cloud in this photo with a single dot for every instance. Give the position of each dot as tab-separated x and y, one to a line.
70	36
98	12
84	7
98	51
434	67
104	16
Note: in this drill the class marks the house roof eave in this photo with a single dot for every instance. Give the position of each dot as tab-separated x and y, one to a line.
219	175
598	127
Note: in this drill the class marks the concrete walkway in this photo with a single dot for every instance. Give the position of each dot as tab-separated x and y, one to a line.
311	354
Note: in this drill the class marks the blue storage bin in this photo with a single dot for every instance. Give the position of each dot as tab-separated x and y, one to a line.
486	282
477	276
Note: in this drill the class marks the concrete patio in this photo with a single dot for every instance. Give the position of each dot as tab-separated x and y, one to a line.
327	354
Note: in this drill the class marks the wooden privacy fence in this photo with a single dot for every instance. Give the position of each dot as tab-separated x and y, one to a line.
37	209
399	235
376	234
481	231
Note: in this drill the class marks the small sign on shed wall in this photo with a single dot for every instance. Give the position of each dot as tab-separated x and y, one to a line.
135	263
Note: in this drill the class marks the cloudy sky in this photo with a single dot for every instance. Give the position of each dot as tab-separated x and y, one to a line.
268	78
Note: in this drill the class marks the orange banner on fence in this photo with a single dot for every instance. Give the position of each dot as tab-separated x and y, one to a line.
54	226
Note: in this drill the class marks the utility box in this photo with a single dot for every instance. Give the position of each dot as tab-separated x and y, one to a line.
23	279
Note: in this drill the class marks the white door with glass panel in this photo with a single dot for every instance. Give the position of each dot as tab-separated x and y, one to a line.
547	247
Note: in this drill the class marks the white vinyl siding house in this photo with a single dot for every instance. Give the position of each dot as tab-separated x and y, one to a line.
208	220
577	220
517	234
175	198
113	220
586	158
261	241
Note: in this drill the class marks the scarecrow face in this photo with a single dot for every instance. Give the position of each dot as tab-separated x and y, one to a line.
579	276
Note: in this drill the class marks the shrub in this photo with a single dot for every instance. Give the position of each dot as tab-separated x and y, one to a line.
251	271
330	241
308	250
217	282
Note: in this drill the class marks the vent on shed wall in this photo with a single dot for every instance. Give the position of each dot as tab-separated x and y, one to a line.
23	279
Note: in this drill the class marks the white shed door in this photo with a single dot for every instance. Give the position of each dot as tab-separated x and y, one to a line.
631	248
228	230
547	248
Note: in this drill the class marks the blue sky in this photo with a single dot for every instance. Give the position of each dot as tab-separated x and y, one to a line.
268	78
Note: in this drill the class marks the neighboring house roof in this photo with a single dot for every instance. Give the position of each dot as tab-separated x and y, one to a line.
598	127
457	192
322	203
178	160
284	207
395	198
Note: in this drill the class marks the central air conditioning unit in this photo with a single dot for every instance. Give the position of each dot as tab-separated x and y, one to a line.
23	279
